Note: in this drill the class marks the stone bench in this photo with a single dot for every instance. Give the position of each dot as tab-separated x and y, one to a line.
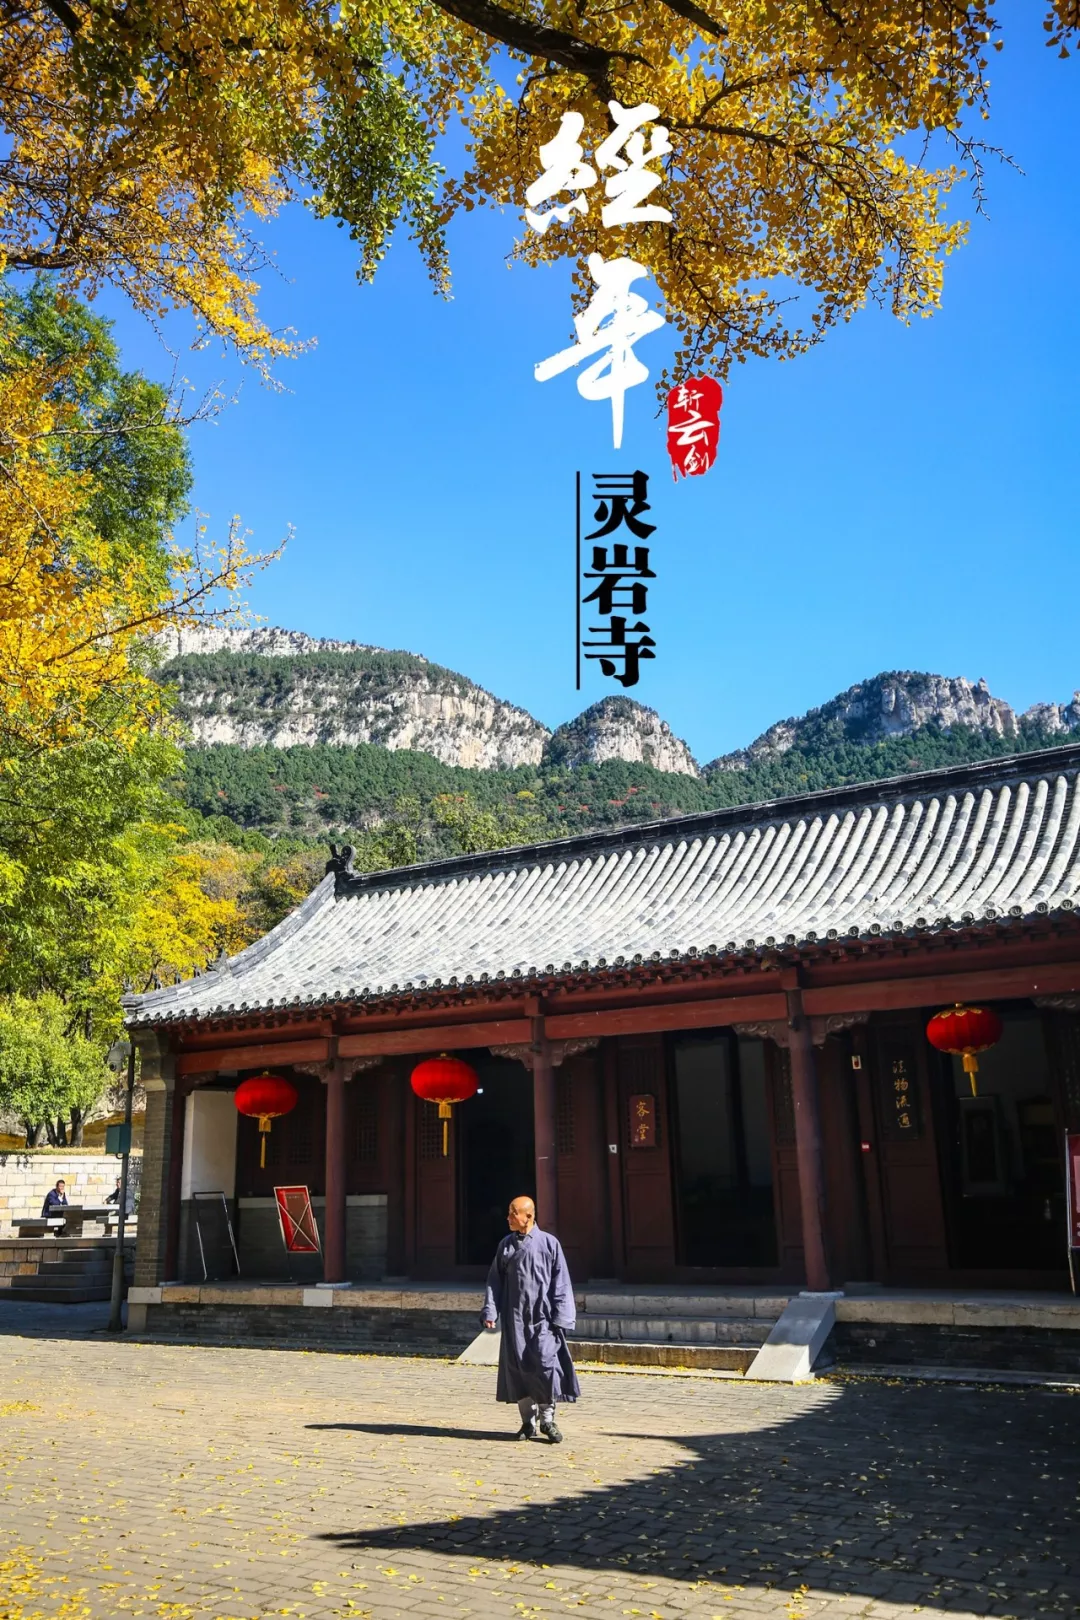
39	1225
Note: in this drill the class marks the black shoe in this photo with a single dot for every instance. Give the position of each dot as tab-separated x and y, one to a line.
526	1432
552	1432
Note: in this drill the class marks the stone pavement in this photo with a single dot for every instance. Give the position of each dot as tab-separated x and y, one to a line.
175	1481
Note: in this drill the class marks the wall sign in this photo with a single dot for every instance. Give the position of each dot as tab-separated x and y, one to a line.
643	1120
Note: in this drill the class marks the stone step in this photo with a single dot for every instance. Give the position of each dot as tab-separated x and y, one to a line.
724	1330
624	1353
58	1264
42	1294
658	1302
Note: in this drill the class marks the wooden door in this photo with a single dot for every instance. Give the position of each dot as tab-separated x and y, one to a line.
583	1227
648	1215
847	1236
912	1215
374	1123
785	1163
434	1223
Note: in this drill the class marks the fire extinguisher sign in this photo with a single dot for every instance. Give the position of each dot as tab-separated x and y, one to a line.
1072	1195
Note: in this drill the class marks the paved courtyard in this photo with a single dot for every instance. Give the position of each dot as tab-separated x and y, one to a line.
175	1481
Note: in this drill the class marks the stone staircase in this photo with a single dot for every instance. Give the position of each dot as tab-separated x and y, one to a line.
718	1329
71	1276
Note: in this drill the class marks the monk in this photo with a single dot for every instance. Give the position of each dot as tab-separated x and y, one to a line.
530	1291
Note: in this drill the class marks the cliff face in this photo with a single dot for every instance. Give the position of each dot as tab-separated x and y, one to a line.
619	728
280	689
897	704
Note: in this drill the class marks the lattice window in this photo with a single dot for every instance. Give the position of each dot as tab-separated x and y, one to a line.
365	1124
564	1110
301	1133
429	1131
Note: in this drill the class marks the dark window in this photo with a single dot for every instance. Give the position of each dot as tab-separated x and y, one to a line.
366	1123
429	1131
723	1153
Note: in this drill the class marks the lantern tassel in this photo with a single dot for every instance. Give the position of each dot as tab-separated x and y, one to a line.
445	1113
971	1069
264	1127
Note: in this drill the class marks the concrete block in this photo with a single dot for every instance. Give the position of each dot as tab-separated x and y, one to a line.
884	1310
771	1306
136	1317
796	1341
319	1296
469	1300
484	1349
145	1296
179	1294
372	1299
993	1315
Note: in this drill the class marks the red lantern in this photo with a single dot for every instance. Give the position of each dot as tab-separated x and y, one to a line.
266	1097
963	1031
444	1080
693	432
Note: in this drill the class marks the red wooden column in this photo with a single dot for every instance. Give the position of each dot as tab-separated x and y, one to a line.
547	1164
334	1218
806	1096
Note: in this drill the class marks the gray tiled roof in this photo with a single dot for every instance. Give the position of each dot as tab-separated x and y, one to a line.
969	846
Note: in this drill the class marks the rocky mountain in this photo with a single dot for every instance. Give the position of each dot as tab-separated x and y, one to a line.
902	703
270	691
618	728
283	689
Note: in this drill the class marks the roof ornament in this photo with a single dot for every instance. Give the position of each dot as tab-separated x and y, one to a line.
341	860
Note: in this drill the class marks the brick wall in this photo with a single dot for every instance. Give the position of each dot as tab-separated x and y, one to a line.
26	1177
150	1251
411	1332
260	1248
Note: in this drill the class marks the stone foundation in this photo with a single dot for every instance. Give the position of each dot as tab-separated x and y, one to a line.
386	1320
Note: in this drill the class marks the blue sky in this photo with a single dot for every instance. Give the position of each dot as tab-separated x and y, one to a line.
903	497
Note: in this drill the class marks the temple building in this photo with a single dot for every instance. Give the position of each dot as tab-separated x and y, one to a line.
700	1043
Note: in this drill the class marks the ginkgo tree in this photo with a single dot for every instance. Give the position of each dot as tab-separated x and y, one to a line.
94	473
814	143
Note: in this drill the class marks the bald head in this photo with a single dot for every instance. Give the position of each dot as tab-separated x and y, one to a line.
521	1216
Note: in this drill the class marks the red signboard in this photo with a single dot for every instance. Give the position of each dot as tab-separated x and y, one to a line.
297	1218
642	1121
693	432
1072	1180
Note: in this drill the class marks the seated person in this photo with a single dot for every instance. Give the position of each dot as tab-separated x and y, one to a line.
55	1200
129	1201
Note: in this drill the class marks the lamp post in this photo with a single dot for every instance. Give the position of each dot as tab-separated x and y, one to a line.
124	1132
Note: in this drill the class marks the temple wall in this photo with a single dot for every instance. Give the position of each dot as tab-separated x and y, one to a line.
260	1247
210	1120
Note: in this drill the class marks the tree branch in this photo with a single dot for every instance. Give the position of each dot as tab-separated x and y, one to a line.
534	39
64	14
700	19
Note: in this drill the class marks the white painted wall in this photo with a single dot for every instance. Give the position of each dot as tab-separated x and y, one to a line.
210	1120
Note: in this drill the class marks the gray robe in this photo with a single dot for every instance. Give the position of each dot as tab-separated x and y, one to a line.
530	1292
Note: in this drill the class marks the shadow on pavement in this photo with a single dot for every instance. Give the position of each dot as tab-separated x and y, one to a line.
427	1429
955	1498
30	1319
